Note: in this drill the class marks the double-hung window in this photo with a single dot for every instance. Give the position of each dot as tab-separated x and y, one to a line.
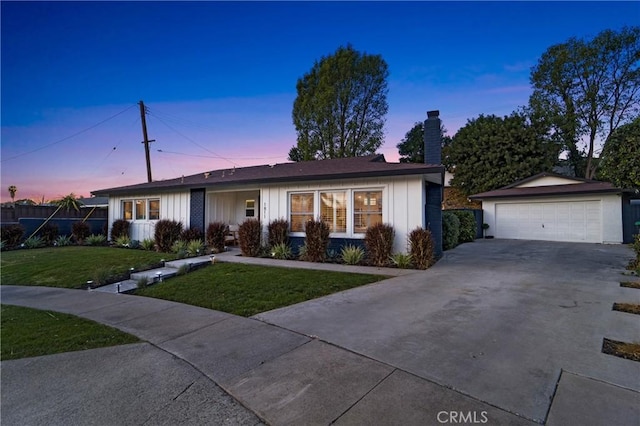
367	210
333	210
154	209
127	210
141	209
301	210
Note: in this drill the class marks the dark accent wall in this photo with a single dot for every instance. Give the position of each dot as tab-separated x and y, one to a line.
197	209
433	215
630	215
434	196
335	244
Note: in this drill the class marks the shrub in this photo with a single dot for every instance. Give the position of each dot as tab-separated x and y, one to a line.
216	231
167	232
468	226
401	260
49	232
379	243
450	230
195	247
352	255
119	229
80	231
422	248
12	234
96	240
62	241
278	232
148	244
192	234
281	251
249	237
316	240
123	241
34	242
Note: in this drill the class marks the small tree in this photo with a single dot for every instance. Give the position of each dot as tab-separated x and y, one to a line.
12	192
69	202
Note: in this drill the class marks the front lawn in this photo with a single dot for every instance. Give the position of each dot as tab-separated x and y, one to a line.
27	332
72	267
249	289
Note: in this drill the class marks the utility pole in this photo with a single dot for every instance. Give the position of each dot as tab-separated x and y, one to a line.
146	140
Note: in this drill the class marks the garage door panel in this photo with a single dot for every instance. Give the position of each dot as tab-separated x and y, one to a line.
578	221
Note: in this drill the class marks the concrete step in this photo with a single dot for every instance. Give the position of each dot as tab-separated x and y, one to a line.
192	261
120	287
155	274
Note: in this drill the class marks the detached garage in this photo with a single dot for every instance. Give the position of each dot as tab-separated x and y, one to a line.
553	207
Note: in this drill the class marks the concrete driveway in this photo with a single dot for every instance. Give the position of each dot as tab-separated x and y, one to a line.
516	324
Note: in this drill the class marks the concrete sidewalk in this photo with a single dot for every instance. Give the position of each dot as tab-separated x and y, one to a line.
468	341
282	376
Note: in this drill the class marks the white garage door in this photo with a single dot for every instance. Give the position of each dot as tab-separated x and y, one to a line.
579	221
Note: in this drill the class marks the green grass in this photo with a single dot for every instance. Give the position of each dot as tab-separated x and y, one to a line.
27	332
249	289
72	267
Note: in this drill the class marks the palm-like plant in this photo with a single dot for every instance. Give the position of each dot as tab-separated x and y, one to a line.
12	192
69	202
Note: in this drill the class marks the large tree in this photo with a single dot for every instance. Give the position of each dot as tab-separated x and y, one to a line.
586	89
341	106
411	147
620	159
490	152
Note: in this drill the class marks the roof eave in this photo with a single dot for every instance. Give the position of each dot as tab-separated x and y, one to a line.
428	169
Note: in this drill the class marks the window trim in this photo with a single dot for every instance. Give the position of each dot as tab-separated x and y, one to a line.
134	203
349	203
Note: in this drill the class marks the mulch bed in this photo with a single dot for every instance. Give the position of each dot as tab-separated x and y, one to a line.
624	350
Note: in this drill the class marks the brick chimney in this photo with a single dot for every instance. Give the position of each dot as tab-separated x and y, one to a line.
432	139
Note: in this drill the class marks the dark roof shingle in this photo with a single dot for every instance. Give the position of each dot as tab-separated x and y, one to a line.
354	167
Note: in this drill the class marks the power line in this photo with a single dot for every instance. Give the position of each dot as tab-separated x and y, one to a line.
69	137
216	156
194	142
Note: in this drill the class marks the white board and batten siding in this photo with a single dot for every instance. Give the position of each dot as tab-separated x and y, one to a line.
403	201
593	219
173	206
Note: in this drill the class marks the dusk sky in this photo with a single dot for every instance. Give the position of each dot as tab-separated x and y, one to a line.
219	78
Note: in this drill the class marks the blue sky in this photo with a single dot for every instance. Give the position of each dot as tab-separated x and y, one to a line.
219	77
